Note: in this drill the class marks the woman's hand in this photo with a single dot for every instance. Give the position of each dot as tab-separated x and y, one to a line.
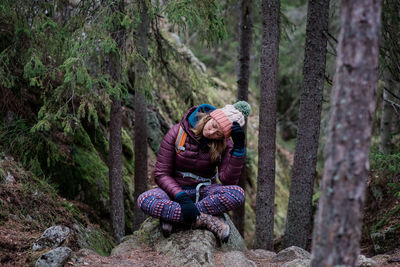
189	209
237	135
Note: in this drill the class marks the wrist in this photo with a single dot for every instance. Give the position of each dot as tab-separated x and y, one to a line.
239	152
182	197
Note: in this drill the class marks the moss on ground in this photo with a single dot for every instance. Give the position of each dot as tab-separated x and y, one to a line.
100	242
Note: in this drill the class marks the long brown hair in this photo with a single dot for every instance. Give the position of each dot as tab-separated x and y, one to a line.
217	146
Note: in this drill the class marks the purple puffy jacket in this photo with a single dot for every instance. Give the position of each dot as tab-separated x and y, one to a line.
195	159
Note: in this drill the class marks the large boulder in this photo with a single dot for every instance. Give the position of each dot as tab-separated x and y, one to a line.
54	258
236	259
185	247
189	248
292	253
298	263
52	237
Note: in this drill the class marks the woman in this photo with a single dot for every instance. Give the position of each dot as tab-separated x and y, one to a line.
192	155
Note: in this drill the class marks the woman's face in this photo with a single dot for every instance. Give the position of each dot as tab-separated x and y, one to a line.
212	130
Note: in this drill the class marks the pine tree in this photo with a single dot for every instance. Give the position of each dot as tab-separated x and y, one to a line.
267	132
391	86
299	216
115	153
390	58
141	108
337	230
245	28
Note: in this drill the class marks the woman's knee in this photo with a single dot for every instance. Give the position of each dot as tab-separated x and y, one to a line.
237	192
148	196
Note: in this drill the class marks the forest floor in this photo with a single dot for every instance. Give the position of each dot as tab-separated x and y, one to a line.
381	211
147	256
27	208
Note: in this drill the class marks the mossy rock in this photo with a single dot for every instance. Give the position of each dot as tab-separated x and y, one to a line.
94	239
386	240
87	177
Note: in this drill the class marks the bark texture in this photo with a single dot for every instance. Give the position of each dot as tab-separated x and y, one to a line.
338	226
115	154
115	172
245	28
141	111
299	216
267	131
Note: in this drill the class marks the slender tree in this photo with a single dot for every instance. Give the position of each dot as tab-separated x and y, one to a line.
141	108
338	226
115	153
390	55
267	131
245	28
299	216
386	145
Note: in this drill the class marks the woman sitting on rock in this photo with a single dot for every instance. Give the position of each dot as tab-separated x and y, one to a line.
192	155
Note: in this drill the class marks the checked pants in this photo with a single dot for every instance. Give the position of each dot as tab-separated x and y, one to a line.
215	199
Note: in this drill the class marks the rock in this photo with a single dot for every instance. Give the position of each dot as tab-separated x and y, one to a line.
382	258
185	247
263	254
154	133
236	259
187	53
10	179
127	244
298	263
93	239
386	239
77	258
54	258
236	241
189	248
366	262
291	253
51	238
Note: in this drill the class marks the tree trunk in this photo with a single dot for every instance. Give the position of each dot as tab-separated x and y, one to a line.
387	114
267	131
299	216
338	226
245	28
115	171
115	153
141	111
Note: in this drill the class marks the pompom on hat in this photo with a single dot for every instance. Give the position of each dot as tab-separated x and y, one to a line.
230	113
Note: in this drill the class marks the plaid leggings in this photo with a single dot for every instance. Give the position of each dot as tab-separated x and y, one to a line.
215	199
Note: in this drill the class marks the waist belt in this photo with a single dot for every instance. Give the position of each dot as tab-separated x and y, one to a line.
204	181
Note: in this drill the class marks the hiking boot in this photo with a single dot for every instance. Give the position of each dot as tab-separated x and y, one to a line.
166	228
215	225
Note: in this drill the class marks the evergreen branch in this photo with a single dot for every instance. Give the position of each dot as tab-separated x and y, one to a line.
331	45
331	36
159	40
328	79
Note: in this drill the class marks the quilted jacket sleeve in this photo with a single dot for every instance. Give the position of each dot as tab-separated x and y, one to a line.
164	169
230	167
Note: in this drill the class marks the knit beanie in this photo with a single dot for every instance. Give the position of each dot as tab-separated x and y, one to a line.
230	113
